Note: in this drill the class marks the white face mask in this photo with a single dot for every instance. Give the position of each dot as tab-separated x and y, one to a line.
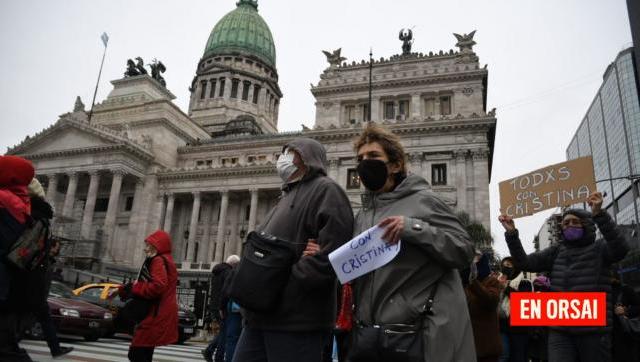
285	165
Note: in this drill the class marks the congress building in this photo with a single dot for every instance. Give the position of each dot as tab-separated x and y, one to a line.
207	176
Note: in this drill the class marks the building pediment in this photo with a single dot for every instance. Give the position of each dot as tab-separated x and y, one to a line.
71	136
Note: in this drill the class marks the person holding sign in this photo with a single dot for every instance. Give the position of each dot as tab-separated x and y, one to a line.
414	307
580	263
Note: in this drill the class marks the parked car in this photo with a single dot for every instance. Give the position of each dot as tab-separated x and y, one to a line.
73	316
98	293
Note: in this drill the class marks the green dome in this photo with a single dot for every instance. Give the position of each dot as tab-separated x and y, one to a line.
243	31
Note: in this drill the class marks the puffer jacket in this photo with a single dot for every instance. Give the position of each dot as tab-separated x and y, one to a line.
578	266
434	245
160	327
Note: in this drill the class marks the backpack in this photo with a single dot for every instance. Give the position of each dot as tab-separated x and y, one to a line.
32	247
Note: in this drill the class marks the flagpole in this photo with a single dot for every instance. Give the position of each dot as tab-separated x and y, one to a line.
370	72
93	101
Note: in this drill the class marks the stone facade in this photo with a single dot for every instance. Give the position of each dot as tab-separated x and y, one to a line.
143	164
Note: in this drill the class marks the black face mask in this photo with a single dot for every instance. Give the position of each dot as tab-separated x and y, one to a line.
508	271
373	174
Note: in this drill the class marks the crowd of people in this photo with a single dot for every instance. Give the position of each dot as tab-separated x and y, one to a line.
439	299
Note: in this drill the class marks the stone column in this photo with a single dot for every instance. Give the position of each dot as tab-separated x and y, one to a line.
250	96
52	188
211	247
112	210
415	106
161	209
461	180
222	221
168	215
134	224
227	88
193	226
481	187
90	205
70	197
253	210
333	169
375	109
203	248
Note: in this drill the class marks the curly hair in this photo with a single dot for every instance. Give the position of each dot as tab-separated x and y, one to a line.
389	142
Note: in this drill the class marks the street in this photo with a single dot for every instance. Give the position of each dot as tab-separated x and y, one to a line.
109	349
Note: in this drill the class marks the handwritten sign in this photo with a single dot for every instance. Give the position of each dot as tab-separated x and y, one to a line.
362	254
561	184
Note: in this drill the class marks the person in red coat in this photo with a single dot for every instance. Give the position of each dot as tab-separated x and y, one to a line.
157	281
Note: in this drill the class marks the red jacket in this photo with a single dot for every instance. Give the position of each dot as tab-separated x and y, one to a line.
160	328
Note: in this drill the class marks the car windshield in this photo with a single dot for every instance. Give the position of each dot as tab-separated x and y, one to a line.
60	290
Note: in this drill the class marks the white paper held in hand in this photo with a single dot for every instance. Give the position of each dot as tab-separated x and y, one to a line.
362	254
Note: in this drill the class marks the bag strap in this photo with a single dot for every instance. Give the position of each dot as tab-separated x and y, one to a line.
427	309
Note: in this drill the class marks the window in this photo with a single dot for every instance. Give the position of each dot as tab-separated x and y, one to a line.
429	107
439	174
234	160
203	90
234	88
256	93
200	163
353	180
101	205
403	109
247	212
251	159
209	162
350	112
445	105
212	92
365	112
245	90
128	205
389	111
221	92
92	294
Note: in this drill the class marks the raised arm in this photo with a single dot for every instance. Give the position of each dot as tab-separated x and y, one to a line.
535	262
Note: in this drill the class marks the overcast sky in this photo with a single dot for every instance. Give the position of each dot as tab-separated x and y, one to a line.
545	59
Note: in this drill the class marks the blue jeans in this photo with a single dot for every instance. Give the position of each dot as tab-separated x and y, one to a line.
258	345
232	330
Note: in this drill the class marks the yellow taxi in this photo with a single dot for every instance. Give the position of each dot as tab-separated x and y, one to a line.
98	293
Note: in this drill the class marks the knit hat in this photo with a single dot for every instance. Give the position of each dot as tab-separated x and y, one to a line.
35	188
15	171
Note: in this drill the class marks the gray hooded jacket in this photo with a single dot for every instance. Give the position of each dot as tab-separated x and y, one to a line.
315	207
434	245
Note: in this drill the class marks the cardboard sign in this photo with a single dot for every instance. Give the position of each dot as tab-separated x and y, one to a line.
362	254
561	184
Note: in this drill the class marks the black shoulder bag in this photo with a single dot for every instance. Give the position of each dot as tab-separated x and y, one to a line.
263	272
136	309
392	342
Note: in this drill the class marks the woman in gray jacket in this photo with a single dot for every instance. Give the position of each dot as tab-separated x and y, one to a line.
434	245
